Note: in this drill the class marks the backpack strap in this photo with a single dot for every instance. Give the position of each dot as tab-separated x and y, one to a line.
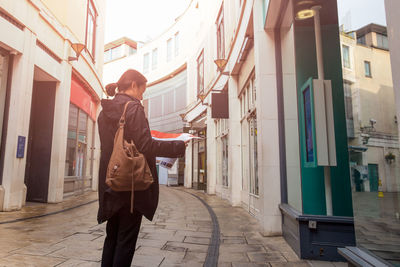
122	119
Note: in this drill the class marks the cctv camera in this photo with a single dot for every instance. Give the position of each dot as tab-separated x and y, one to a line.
372	121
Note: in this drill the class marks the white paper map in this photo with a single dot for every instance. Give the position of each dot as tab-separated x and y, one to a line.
169	162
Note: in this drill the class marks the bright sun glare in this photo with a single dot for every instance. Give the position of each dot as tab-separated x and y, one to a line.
141	20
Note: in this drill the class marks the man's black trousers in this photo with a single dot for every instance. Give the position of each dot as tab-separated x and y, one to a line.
122	233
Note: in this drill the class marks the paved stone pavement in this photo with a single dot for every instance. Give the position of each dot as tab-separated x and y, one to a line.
178	236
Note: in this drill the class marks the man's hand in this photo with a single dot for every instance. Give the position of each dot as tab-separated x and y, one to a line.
187	142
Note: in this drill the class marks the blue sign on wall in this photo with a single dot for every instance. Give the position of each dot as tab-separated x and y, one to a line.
21	146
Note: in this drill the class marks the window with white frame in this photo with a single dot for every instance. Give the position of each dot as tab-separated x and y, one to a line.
91	29
382	41
169	49
200	73
225	158
367	67
154	59
221	133
249	137
146	62
176	44
220	35
131	50
346	56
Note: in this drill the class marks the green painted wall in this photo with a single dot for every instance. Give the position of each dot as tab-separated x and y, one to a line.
313	189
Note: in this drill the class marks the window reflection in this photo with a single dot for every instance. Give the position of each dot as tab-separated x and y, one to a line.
373	135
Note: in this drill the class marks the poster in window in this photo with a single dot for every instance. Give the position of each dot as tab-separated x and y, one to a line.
308	124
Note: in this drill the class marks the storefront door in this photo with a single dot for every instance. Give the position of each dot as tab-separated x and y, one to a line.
40	141
3	94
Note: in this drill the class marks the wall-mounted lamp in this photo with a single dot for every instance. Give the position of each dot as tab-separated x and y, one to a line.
202	97
221	63
304	14
78	50
183	115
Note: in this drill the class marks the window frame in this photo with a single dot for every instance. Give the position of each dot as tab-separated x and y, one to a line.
176	41
367	63
200	69
154	58
220	34
91	51
346	47
146	67
169	50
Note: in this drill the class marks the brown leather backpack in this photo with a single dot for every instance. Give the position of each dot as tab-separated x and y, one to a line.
127	169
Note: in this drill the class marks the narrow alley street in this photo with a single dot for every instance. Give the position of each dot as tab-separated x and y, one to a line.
179	235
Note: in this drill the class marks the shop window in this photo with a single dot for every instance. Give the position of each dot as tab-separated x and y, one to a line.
200	73
76	156
146	62
225	159
169	50
249	138
253	156
220	35
91	29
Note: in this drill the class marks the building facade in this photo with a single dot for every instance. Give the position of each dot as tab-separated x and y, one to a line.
51	69
370	109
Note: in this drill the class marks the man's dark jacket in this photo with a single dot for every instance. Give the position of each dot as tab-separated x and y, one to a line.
136	129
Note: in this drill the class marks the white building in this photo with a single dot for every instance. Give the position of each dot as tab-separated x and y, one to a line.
49	99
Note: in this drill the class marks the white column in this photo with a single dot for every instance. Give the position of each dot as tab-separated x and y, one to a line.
267	122
18	124
96	154
211	155
188	165
60	131
234	161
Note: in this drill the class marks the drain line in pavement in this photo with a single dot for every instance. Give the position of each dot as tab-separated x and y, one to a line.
213	248
48	214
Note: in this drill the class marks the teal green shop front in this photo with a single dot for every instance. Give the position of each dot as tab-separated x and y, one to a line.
317	214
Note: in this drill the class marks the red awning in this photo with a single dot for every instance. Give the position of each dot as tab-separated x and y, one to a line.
82	98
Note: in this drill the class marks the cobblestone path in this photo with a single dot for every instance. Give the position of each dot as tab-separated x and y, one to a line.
179	235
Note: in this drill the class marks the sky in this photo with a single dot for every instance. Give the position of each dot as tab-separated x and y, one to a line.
143	20
358	13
